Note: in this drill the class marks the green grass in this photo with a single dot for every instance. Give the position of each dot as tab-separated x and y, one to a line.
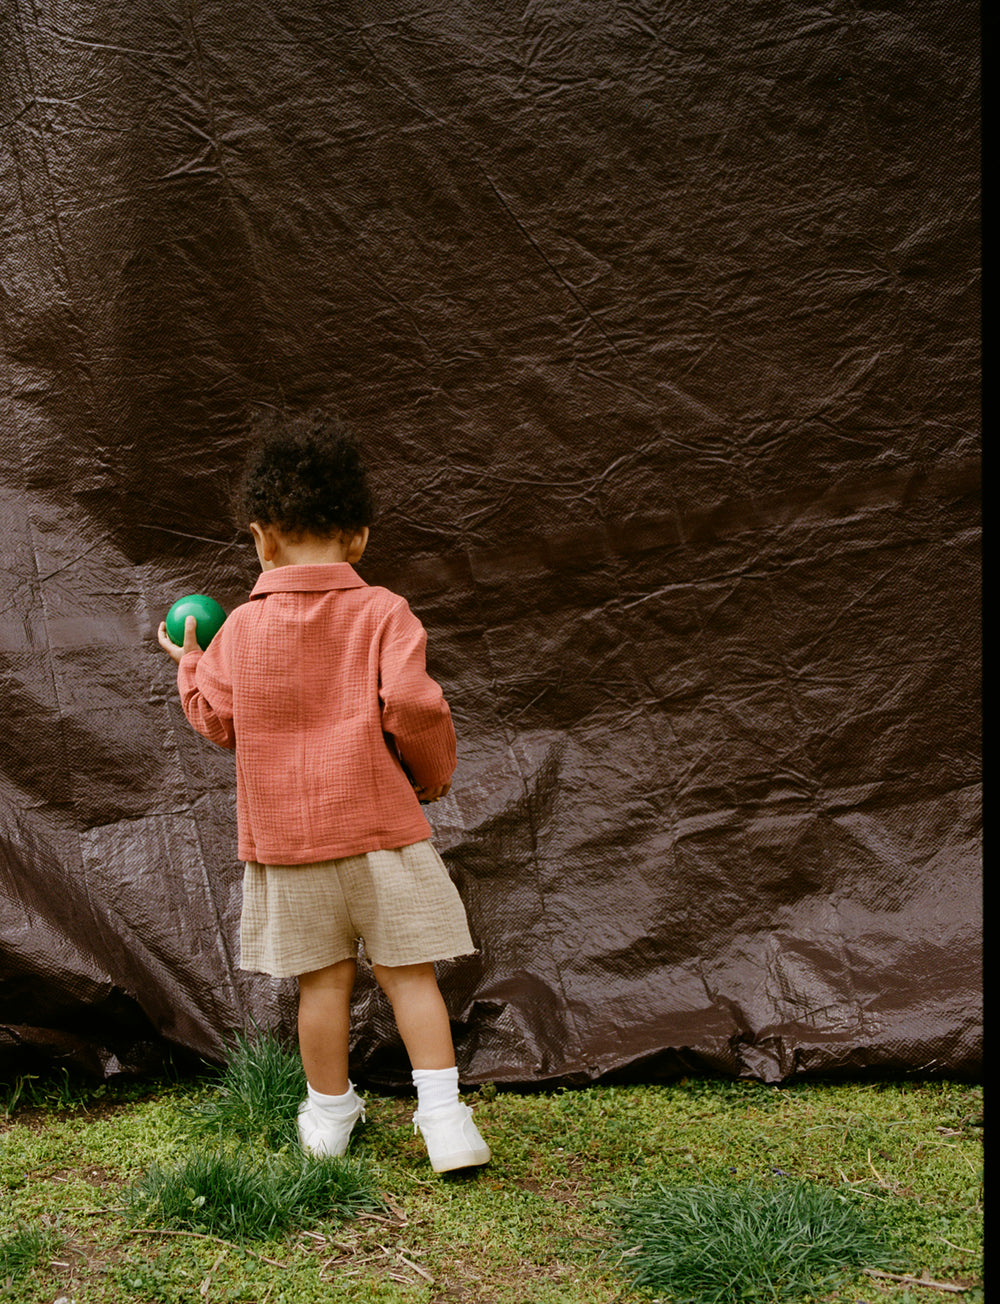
244	1196
542	1222
255	1095
714	1244
23	1249
63	1090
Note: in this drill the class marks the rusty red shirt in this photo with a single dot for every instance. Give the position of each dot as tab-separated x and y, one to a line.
320	684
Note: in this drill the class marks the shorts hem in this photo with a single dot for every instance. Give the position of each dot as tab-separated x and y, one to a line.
275	970
287	970
435	958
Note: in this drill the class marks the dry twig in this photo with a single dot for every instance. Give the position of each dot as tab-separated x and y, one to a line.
909	1280
205	1286
417	1268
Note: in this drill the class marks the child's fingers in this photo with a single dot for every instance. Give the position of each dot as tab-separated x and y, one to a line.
190	639
433	794
169	646
191	635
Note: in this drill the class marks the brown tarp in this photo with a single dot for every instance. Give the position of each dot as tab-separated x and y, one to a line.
659	323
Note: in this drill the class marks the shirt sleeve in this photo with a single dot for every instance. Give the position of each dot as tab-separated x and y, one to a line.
414	712
206	690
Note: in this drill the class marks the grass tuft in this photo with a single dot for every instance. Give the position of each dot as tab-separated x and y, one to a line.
709	1244
60	1090
24	1249
240	1196
257	1095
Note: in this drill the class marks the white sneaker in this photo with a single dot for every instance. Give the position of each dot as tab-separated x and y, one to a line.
452	1139
323	1134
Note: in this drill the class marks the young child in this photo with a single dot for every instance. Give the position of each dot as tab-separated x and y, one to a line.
319	682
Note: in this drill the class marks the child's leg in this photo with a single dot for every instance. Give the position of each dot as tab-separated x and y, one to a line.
421	1014
453	1140
325	1026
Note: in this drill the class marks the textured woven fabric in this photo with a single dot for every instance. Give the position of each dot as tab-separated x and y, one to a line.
320	684
401	903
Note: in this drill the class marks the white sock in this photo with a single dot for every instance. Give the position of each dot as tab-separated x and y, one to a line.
436	1089
334	1105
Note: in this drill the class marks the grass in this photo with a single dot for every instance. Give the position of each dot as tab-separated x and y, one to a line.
62	1090
240	1196
542	1222
256	1094
24	1248
713	1244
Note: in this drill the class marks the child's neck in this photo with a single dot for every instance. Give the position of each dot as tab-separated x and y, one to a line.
275	548
309	551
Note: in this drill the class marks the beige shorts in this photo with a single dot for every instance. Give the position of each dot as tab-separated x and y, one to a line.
402	904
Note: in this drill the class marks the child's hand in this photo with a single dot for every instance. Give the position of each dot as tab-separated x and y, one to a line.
190	639
432	794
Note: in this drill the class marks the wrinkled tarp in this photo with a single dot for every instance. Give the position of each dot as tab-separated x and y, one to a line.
660	326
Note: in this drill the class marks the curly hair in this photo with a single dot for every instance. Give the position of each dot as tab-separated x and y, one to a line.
305	476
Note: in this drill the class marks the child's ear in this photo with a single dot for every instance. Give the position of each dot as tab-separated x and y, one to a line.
357	545
265	540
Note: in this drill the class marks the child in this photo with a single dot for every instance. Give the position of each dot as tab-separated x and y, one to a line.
319	683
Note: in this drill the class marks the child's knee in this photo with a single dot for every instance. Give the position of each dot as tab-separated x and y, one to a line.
335	978
399	979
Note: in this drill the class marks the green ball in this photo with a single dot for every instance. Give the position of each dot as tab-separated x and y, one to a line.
205	610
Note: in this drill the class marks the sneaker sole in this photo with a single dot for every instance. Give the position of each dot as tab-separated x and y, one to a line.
461	1159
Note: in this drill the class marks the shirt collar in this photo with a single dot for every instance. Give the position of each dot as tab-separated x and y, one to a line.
307	579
